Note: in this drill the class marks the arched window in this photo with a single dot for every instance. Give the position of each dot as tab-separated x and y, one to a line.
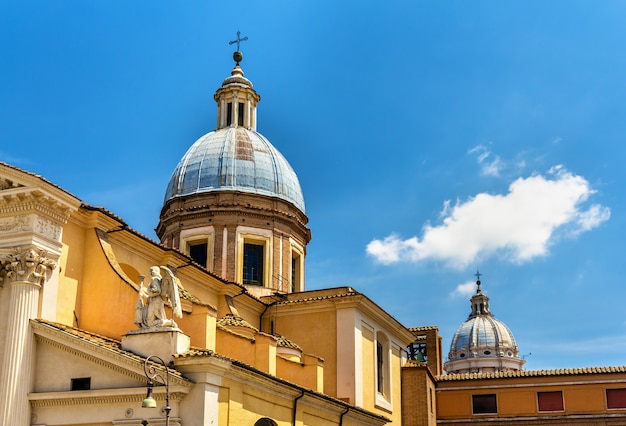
265	422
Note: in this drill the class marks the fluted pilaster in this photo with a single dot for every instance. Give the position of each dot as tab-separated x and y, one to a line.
25	271
18	359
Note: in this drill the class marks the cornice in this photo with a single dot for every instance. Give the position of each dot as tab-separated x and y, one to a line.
100	396
13	179
174	216
346	298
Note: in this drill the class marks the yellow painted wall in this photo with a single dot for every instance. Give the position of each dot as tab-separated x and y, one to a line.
315	333
246	404
368	370
106	302
582	394
71	268
396	392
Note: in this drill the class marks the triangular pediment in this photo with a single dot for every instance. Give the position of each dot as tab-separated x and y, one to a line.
85	355
94	375
30	203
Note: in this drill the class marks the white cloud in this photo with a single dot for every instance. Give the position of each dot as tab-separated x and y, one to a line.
488	166
466	289
517	226
594	216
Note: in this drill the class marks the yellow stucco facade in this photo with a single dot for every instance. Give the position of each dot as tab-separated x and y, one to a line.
248	358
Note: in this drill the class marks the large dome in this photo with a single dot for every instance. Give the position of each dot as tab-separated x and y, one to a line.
482	343
235	159
482	334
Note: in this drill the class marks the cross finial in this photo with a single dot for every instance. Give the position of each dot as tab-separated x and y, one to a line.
477	275
239	40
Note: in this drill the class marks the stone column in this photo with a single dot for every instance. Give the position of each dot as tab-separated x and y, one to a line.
25	271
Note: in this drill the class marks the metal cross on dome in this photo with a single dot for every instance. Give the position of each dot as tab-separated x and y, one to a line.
239	39
478	274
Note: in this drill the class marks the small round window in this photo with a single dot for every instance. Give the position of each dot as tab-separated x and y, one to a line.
487	352
461	355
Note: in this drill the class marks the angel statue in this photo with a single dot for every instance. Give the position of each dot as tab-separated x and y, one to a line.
150	308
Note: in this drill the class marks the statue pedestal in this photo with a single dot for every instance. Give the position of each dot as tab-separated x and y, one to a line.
163	342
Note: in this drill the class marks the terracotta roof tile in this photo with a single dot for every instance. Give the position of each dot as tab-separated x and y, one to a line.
231	320
532	373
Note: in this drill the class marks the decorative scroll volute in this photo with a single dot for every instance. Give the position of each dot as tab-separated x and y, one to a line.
25	265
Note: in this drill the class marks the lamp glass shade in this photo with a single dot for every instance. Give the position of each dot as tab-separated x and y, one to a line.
148	401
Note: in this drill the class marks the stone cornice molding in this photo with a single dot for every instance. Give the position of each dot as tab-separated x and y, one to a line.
352	300
100	396
33	211
14	202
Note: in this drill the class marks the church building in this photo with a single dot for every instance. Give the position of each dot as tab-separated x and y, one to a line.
214	319
213	325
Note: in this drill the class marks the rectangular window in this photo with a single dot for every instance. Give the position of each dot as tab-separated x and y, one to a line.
616	398
198	252
252	264
550	401
380	361
296	271
484	404
83	383
240	114
229	113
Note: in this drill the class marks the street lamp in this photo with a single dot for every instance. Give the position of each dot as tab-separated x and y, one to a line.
153	374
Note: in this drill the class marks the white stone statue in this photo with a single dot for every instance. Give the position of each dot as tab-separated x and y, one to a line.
150	308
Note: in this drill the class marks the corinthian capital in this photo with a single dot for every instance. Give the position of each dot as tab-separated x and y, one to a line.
25	265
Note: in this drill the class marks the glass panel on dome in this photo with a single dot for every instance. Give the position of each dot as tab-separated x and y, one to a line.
245	174
190	180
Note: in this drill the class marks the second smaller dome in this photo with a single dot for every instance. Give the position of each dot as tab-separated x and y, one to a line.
482	343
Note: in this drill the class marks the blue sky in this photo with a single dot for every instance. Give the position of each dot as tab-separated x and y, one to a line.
430	139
